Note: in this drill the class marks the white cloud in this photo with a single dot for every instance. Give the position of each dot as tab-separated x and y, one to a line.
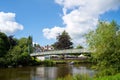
33	43
8	24
52	33
81	16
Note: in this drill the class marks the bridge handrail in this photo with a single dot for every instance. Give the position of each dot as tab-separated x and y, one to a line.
61	52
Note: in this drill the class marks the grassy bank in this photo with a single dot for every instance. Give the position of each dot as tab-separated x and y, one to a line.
60	61
114	77
71	60
86	77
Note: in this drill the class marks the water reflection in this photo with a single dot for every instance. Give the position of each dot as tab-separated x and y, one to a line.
43	73
83	70
63	70
15	74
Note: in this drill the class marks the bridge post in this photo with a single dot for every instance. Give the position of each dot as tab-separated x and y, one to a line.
63	56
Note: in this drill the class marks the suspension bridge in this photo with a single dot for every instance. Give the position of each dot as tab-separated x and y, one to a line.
61	52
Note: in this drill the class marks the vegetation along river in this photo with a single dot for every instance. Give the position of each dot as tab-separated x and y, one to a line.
44	73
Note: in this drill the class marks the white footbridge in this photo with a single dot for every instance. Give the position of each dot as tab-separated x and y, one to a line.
61	52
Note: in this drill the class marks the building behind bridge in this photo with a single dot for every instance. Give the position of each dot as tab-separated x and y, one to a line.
43	48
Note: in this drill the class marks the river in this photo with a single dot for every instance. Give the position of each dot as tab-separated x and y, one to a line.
44	73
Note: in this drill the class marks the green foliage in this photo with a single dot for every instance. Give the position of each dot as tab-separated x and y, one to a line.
4	44
22	43
24	59
86	77
12	41
76	77
3	62
114	77
104	41
108	71
48	63
79	47
13	55
30	45
15	52
63	41
19	55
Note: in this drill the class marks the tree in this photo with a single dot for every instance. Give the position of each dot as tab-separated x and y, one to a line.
79	47
19	54
4	44
23	44
30	44
105	42
15	52
12	41
63	41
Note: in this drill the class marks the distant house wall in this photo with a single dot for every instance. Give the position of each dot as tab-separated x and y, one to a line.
42	58
48	48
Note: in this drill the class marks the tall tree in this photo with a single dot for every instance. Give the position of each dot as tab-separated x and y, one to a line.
12	41
30	44
4	44
63	41
19	55
79	47
105	42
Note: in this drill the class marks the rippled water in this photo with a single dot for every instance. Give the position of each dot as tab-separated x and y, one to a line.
44	73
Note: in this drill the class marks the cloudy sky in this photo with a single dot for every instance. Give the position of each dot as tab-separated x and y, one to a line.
45	19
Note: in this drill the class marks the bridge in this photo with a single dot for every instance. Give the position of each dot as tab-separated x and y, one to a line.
61	52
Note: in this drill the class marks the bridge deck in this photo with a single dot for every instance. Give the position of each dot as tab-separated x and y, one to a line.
60	52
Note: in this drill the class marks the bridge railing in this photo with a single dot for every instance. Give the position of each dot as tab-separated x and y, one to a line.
57	52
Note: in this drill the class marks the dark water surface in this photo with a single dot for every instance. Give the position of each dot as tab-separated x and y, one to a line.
44	73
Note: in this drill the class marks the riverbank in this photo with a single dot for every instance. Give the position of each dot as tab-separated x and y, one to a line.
86	77
67	61
53	62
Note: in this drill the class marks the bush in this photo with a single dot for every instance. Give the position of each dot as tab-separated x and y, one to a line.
86	77
76	77
108	72
48	63
2	62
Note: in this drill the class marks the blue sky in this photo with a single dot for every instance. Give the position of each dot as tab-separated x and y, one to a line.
44	19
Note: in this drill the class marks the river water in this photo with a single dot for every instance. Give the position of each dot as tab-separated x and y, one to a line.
44	73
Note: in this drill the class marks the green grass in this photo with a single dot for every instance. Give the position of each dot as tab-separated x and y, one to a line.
86	77
114	77
64	61
76	77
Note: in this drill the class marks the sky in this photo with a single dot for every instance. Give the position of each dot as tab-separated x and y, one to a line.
45	19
